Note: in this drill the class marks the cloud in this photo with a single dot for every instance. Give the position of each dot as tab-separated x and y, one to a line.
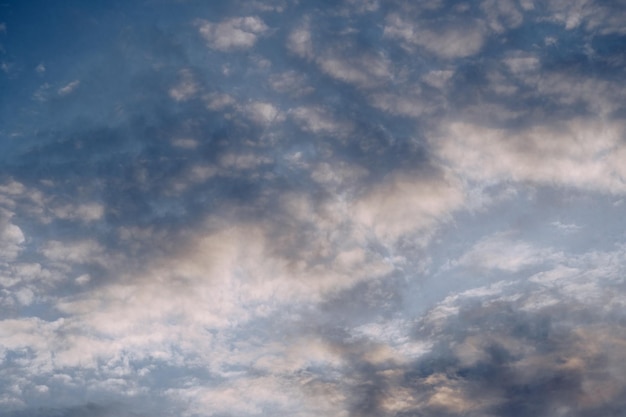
87	212
502	15
450	39
342	59
83	251
186	88
403	205
330	221
232	34
500	252
11	237
69	88
85	410
580	152
300	41
290	82
492	354
591	15
408	103
319	121
263	113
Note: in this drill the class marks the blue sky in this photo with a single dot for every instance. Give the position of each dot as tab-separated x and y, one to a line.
337	208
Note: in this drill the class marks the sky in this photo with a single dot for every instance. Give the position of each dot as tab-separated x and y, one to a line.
338	208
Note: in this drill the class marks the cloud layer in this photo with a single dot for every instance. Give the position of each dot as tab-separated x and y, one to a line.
279	208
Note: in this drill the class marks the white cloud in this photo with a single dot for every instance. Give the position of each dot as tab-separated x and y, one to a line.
69	88
604	18
218	280
405	204
503	253
448	40
185	143
244	161
232	34
245	396
320	121
438	78
520	63
290	82
502	14
566	227
74	252
186	88
11	237
409	102
339	174
366	69
581	153
218	101
300	41
87	212
394	339
263	113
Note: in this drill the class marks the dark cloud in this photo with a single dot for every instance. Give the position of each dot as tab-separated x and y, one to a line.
495	357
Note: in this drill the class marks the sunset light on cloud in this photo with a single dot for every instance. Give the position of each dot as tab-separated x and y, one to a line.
341	208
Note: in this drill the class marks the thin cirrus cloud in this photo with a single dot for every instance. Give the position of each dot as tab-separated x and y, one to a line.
279	208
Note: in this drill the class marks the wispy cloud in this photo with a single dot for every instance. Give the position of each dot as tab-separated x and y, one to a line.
68	88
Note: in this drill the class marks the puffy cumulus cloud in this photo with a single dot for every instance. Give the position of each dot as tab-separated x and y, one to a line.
263	113
448	39
300	40
232	34
11	237
581	152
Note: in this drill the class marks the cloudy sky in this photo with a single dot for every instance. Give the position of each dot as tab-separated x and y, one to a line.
338	208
